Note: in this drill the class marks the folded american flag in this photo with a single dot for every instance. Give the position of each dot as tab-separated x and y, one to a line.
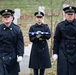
33	33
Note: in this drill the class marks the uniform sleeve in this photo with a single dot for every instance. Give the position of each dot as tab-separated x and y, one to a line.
32	38
46	36
57	39
20	44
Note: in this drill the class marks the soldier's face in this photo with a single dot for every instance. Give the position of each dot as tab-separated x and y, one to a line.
7	19
69	17
39	20
75	16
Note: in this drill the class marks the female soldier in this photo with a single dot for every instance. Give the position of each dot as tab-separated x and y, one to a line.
39	33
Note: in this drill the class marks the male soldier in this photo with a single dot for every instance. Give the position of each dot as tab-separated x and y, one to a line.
65	43
39	33
11	44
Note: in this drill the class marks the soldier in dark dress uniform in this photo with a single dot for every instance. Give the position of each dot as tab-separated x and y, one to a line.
11	44
39	33
65	43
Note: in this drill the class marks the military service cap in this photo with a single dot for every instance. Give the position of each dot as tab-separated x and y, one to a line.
39	14
69	10
6	12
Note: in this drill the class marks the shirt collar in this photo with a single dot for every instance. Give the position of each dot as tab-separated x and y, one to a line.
39	25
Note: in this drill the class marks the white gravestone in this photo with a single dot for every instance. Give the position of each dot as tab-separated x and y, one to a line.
24	64
64	5
42	9
16	15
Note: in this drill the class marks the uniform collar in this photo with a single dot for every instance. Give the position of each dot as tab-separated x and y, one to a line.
73	22
5	27
39	25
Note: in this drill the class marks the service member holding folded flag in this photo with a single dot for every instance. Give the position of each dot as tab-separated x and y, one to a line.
39	33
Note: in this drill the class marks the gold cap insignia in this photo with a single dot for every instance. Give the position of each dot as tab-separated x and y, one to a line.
5	10
70	7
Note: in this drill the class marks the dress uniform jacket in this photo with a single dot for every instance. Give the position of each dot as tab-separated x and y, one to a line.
11	45
39	57
65	47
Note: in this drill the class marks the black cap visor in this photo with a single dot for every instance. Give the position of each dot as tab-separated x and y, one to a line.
39	16
6	15
70	12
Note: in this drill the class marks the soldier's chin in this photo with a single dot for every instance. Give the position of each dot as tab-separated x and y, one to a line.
70	20
39	22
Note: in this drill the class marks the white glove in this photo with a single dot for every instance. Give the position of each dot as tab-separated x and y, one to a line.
55	57
38	36
19	58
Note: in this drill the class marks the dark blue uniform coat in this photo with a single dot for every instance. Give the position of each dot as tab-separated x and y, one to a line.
11	45
65	47
39	57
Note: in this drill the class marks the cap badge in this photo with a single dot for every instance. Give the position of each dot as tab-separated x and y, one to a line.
70	7
38	12
5	10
